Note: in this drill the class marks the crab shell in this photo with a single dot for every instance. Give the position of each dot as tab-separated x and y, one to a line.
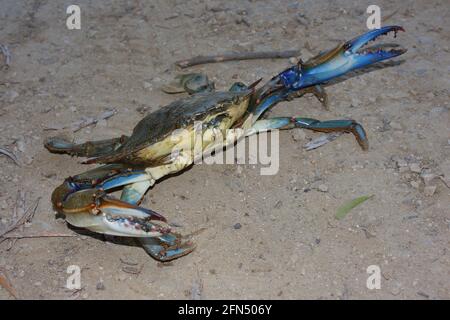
160	132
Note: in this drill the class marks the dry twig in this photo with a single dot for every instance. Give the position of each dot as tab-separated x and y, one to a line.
38	235
84	122
237	56
26	217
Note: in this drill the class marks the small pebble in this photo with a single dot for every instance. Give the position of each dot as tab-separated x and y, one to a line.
323	188
237	226
100	286
147	85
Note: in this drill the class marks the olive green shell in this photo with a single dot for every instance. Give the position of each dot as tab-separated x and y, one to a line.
182	113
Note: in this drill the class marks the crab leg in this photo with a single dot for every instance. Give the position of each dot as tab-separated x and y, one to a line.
312	124
87	149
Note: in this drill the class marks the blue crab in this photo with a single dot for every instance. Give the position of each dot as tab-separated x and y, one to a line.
136	162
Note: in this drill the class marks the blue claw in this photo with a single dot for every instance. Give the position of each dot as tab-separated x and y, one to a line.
166	247
336	62
325	66
357	43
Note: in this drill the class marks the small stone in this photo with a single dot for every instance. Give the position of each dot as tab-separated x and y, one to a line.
237	226
100	286
323	188
303	271
415	167
293	60
38	283
298	135
147	85
428	191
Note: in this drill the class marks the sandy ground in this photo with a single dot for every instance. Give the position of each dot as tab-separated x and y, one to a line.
290	245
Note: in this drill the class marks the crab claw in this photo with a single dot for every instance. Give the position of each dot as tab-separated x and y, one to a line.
92	209
330	64
167	247
372	54
348	56
87	205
